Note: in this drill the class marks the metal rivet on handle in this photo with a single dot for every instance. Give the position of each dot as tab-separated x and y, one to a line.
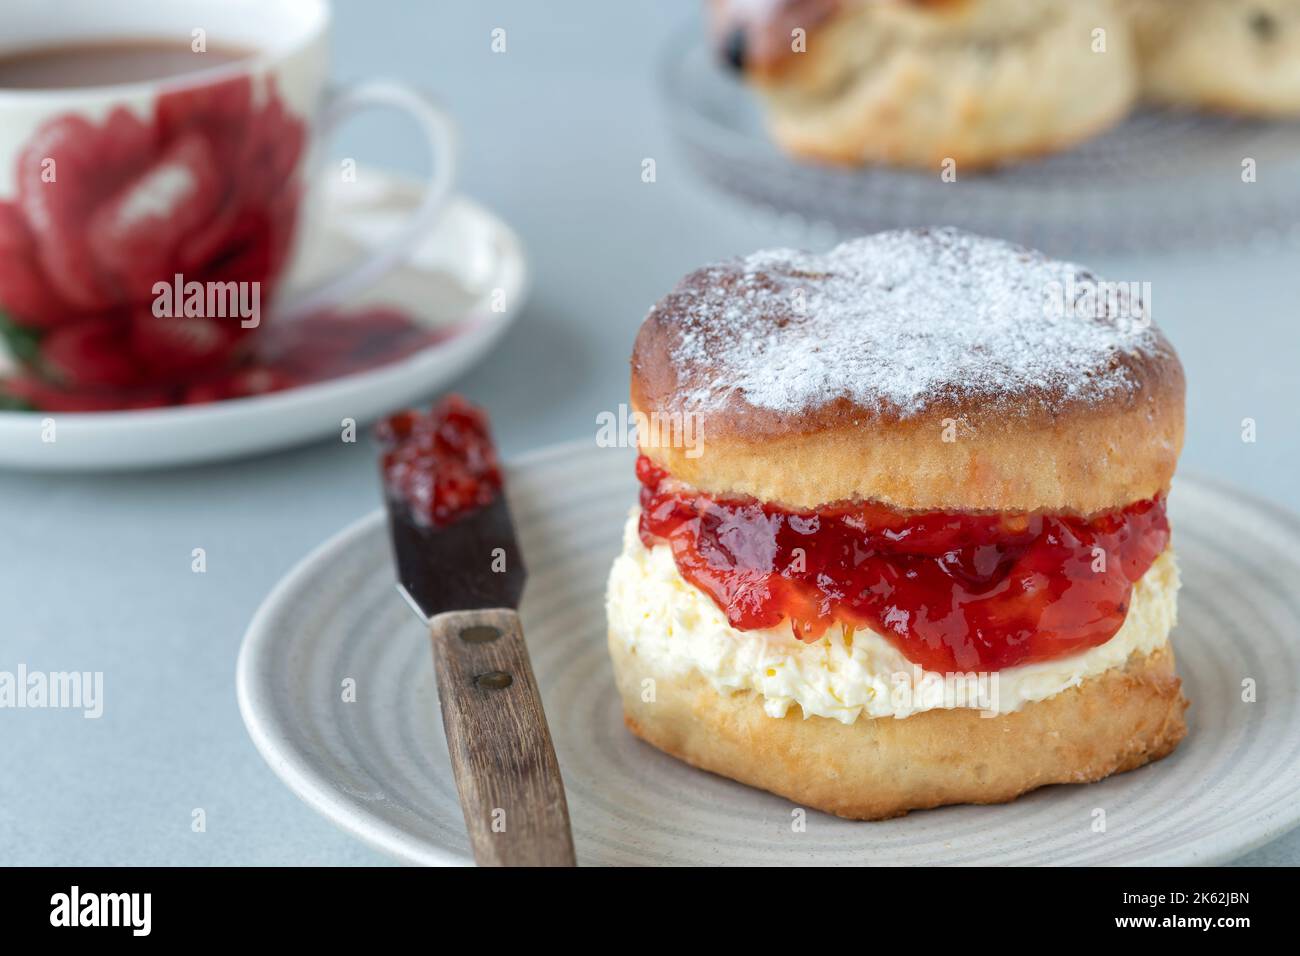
494	680
480	634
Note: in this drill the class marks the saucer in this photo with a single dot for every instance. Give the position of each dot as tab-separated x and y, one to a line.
471	262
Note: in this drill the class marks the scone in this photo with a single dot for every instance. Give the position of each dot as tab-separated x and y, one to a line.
915	82
901	538
1237	56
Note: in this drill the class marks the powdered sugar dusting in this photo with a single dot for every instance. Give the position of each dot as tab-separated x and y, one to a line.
899	320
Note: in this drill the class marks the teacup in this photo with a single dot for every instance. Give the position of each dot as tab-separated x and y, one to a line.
146	224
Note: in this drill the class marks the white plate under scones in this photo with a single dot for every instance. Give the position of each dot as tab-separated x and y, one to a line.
794	712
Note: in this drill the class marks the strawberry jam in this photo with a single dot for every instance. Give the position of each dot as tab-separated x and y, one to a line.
952	591
441	463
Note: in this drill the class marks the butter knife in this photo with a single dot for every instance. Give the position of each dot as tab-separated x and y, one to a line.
465	580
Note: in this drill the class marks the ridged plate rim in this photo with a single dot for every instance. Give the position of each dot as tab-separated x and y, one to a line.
422	823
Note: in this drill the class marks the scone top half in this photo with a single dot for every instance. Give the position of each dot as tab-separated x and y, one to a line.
924	370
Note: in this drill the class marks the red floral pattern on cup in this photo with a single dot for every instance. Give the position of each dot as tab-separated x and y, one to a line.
314	348
206	187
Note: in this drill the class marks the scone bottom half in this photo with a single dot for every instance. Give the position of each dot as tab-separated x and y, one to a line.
917	467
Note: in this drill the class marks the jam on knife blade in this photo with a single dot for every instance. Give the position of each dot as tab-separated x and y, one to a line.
452	534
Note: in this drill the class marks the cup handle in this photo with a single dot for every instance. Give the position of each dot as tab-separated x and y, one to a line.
439	132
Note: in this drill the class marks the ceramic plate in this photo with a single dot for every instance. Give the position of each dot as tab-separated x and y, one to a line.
448	284
378	766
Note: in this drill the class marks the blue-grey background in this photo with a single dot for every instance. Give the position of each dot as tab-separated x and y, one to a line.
95	570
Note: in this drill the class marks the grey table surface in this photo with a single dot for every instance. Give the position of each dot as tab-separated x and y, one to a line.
95	569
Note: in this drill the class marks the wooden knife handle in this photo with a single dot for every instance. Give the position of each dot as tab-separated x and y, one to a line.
501	751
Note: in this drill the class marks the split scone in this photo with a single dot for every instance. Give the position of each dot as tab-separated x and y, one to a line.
1237	56
915	82
901	539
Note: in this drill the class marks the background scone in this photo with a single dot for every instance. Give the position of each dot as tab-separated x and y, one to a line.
913	82
1238	56
916	551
